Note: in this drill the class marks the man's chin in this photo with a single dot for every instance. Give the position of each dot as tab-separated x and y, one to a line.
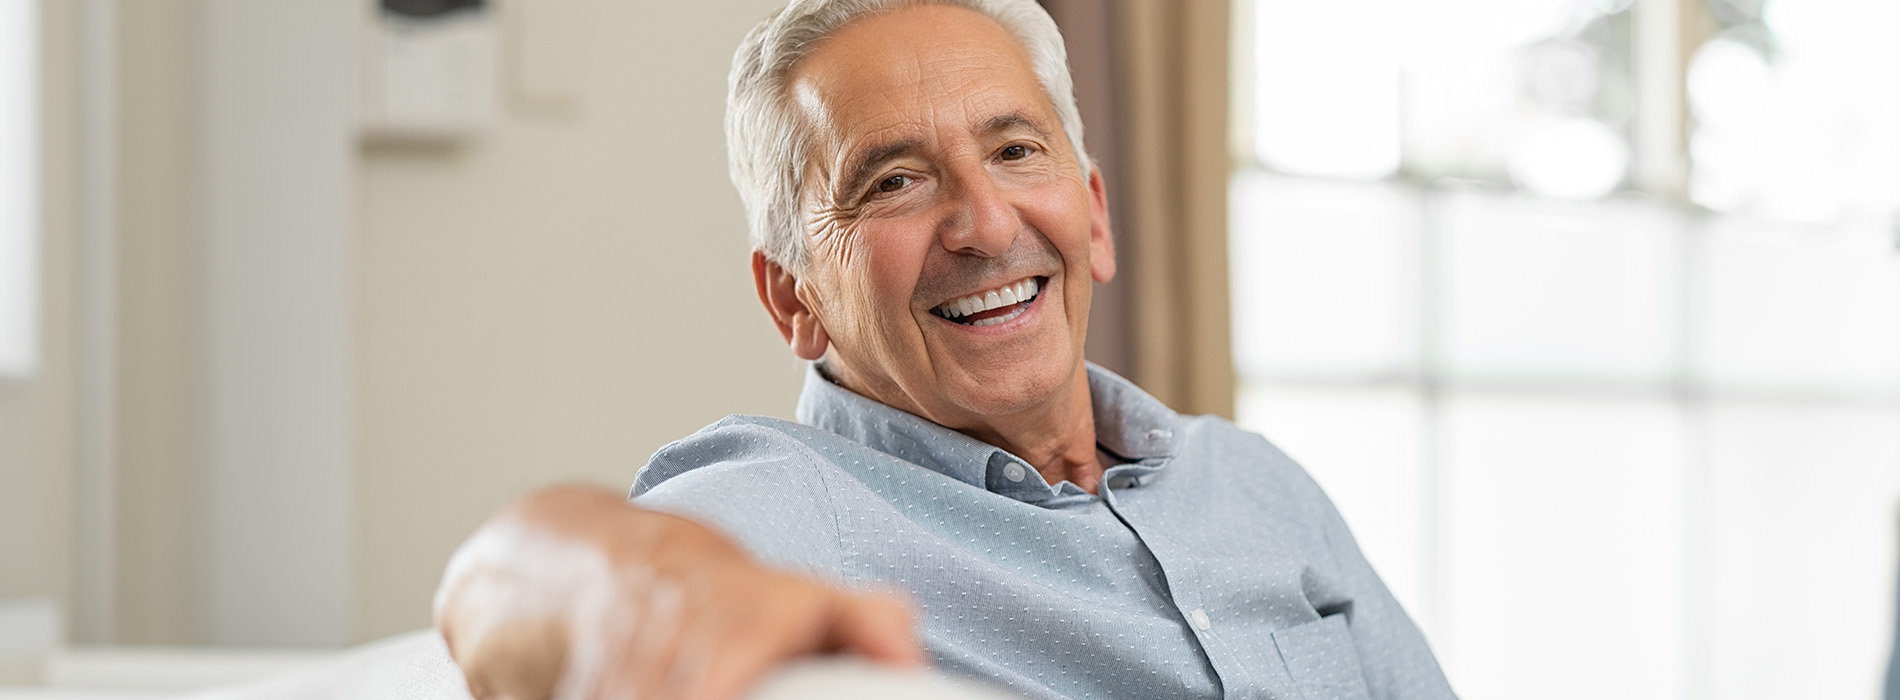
1001	391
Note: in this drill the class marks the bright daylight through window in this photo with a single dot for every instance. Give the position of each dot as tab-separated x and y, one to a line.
19	193
1587	314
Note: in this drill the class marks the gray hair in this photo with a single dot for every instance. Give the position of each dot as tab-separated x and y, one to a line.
765	144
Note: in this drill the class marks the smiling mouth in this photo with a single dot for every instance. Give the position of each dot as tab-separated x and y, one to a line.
989	308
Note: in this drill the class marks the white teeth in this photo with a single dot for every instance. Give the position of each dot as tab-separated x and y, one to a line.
1005	318
996	298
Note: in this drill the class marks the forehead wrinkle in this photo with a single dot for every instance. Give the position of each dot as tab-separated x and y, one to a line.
988	108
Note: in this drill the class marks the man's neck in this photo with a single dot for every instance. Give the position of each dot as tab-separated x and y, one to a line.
1059	441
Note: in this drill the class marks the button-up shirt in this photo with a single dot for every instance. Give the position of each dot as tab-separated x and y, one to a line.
1209	565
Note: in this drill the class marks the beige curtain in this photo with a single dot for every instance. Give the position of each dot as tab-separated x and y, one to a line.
1151	76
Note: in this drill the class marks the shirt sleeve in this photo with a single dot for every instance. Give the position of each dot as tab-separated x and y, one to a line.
1398	663
765	490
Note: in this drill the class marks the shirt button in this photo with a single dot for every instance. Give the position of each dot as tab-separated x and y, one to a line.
1201	622
1014	472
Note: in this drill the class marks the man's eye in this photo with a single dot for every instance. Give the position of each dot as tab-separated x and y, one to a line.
893	183
1016	152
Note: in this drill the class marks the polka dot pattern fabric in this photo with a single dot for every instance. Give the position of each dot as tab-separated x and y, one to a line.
1208	566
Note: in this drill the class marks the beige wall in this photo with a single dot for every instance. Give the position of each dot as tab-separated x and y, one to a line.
554	300
40	435
160	398
549	301
37	434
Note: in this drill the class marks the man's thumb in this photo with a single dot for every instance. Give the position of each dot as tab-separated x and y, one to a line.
877	626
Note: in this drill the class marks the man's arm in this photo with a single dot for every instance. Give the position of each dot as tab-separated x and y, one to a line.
574	591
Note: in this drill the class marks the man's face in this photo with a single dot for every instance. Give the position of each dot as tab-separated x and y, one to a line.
942	184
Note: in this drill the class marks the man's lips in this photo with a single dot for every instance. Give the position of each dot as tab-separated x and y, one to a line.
992	306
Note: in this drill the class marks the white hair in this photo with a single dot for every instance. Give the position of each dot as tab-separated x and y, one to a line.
765	144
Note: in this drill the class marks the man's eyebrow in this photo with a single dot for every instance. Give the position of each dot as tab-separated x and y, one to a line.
1013	121
864	163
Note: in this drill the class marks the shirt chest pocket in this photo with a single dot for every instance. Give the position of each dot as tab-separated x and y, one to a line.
1322	660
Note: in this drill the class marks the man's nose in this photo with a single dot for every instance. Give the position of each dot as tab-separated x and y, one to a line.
982	221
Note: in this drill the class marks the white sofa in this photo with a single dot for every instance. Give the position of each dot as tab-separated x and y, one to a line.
416	666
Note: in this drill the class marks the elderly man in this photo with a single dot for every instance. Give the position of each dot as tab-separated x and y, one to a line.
927	229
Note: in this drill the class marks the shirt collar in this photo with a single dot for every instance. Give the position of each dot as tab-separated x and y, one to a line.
1128	423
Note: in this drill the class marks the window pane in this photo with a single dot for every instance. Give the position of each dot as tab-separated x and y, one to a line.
1535	92
1554	291
1547	111
1563	569
1324	277
1364	446
1326	88
19	193
1803	500
1795	107
1798	308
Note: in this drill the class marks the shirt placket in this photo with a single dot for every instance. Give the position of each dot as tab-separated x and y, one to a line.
1185	581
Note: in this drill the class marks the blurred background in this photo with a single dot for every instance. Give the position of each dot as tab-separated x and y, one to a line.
1586	312
296	293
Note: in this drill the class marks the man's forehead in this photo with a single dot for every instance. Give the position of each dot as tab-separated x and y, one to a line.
908	69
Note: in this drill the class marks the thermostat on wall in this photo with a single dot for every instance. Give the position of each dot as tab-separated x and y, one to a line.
429	70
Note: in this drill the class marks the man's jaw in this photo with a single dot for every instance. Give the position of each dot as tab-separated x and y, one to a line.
992	306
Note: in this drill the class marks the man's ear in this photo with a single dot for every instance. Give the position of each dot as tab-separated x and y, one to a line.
778	290
1101	236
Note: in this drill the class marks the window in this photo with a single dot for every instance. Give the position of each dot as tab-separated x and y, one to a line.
1583	416
19	192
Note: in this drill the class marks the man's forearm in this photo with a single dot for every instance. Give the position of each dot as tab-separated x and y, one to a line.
573	591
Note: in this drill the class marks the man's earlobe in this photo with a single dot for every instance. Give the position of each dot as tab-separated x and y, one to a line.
778	291
1101	235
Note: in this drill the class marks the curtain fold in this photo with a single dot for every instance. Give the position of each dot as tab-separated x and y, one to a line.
1152	80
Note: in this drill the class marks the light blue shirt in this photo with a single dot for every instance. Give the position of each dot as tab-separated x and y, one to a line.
1210	565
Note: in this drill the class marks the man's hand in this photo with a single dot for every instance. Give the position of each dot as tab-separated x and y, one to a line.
574	593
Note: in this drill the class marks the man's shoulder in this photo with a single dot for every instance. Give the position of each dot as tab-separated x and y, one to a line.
756	445
765	482
1245	459
1212	433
